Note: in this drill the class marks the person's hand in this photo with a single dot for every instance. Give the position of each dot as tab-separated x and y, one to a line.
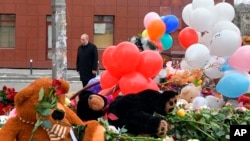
93	71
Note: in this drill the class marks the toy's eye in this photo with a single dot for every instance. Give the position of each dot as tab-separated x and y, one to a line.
171	103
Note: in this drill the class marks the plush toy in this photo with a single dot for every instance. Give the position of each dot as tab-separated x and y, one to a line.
91	106
41	115
189	92
143	112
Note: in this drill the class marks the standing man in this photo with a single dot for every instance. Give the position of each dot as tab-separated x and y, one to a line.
87	60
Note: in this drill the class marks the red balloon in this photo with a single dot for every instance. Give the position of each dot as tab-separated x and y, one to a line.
107	80
150	63
157	44
153	85
108	61
133	82
187	37
125	56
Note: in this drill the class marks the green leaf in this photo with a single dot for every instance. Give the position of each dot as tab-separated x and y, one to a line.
47	124
45	112
41	94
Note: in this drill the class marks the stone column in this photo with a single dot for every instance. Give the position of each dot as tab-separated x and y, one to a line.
59	43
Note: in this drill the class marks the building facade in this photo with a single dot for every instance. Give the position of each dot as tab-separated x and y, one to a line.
25	27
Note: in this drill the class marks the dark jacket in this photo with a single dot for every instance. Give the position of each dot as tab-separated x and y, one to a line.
87	60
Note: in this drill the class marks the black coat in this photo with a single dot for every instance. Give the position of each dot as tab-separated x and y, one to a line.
87	60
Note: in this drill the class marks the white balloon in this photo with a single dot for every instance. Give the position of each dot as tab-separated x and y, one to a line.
224	11
223	25
184	65
186	12
206	38
203	4
225	43
197	55
200	19
213	67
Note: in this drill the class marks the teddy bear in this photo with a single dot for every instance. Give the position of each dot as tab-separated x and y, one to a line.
142	113
187	94
91	106
41	115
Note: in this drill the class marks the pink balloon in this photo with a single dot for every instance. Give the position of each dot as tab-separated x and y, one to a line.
133	82
240	59
150	63
150	17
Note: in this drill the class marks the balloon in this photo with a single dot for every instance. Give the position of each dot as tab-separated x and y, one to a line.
187	37
152	85
226	67
206	38
225	43
125	56
225	25
150	63
107	80
156	29
133	82
240	58
233	85
171	22
213	67
158	44
197	55
108	63
203	4
224	11
144	33
184	65
97	88
167	41
186	12
200	19
149	17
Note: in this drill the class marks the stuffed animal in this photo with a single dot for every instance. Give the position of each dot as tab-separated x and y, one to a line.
91	106
189	92
143	112
41	115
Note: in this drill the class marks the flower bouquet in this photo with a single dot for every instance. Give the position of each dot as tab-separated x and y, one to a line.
6	100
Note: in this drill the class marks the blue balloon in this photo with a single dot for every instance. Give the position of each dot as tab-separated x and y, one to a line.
233	85
171	22
226	66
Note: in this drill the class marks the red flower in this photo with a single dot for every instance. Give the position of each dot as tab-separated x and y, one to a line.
56	83
60	91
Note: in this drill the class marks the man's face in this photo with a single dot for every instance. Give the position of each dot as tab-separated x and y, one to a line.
84	40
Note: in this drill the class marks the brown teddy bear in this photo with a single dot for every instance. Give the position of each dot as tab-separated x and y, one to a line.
43	116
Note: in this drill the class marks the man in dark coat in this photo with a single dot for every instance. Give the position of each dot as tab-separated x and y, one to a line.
87	60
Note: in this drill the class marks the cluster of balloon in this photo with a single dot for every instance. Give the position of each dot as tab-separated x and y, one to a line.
213	43
129	68
158	28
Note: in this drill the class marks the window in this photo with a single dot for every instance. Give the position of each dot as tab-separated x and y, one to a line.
49	37
7	30
103	31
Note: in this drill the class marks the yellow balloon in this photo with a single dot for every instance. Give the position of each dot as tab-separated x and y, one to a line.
144	33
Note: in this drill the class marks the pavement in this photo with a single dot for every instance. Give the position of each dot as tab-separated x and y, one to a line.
20	78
